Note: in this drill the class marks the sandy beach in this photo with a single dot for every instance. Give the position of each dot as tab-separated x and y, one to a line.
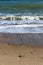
21	32
20	55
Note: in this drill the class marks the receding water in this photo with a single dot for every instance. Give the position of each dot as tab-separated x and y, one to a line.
21	26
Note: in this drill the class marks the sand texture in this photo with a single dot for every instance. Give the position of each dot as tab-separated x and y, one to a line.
20	55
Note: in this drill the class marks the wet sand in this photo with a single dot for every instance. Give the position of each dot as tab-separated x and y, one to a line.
20	55
32	39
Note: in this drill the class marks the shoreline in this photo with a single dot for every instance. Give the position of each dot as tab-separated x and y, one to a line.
30	39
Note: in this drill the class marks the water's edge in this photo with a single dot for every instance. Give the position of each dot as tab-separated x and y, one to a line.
33	39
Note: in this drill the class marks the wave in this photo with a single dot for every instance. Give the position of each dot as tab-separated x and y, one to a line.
28	24
22	9
14	21
27	6
19	17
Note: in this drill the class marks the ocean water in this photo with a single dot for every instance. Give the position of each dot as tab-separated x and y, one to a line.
21	8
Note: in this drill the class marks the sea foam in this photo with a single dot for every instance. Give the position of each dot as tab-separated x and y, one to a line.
15	17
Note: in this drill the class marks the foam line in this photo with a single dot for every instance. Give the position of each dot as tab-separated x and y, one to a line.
16	26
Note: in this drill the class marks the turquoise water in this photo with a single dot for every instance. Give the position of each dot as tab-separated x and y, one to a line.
21	7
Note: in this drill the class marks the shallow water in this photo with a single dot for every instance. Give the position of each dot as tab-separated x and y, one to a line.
23	26
20	22
22	30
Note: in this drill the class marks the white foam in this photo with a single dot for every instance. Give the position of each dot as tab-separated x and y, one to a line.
31	25
26	25
12	17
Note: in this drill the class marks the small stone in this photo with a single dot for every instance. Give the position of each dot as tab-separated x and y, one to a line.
20	55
